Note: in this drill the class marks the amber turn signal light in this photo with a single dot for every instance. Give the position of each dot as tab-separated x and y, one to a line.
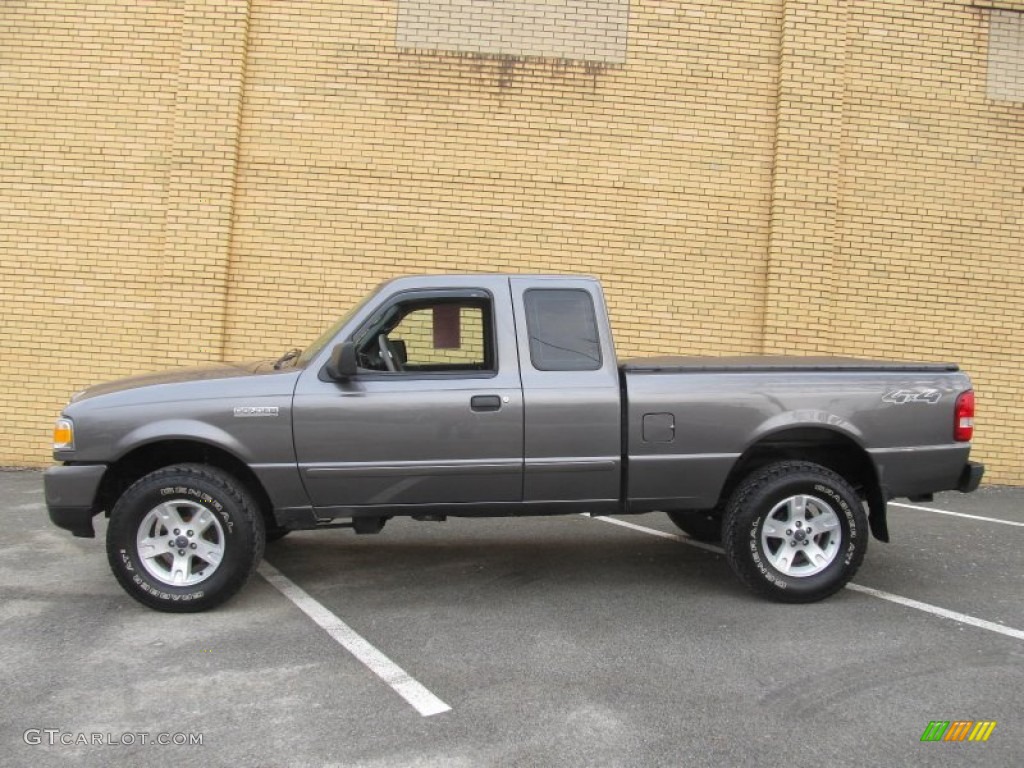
63	435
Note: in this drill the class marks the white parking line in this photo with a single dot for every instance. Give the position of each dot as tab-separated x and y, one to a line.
956	514
663	534
935	610
422	700
963	618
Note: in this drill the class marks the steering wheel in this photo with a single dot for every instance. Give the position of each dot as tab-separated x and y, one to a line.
391	360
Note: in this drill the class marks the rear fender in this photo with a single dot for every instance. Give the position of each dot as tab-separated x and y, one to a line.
823	438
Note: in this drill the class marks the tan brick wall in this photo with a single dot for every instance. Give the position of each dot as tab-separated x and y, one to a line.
200	182
920	224
85	149
118	137
190	181
369	162
807	179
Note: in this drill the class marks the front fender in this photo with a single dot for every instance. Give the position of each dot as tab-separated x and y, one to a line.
182	429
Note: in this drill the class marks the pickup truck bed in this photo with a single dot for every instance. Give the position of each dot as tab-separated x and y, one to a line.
710	411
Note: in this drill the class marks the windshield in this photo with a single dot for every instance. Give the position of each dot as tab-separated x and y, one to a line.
325	338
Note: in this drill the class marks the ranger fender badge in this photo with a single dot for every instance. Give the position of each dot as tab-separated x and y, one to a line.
901	396
255	411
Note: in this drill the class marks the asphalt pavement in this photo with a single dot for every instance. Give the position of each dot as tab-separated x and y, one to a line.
561	641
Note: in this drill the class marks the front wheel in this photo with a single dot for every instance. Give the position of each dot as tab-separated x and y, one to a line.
184	538
795	531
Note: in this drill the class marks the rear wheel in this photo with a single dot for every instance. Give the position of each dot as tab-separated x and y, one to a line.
795	531
184	538
700	524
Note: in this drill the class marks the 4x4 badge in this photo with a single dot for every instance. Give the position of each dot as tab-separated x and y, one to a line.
901	396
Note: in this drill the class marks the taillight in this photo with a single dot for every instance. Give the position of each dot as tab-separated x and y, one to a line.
963	425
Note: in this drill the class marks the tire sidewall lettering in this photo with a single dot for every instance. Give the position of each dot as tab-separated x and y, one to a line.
851	522
755	553
188	493
150	589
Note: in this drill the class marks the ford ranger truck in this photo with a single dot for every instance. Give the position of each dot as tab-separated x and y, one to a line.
498	395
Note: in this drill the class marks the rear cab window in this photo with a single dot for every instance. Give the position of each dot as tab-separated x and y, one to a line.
563	331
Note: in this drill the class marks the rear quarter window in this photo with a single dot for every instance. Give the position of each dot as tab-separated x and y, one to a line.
562	326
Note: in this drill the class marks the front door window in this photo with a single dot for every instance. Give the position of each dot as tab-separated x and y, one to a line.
432	336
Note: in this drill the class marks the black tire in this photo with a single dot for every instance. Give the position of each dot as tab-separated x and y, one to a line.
774	556
276	533
208	514
700	524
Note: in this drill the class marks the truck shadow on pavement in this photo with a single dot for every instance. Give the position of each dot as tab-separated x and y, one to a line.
496	565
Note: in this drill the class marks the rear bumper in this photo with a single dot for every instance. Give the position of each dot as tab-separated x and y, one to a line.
920	471
970	478
71	496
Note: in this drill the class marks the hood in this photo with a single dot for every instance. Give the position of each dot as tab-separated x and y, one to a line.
179	375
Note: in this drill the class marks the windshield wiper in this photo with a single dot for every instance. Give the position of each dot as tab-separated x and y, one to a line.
291	354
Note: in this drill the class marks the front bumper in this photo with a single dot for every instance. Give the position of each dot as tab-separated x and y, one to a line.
71	496
970	478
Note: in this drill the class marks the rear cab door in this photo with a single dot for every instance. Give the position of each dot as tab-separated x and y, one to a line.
573	422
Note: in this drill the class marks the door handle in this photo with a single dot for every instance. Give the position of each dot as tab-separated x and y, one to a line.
485	402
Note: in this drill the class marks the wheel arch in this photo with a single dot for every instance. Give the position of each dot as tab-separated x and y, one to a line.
151	456
831	448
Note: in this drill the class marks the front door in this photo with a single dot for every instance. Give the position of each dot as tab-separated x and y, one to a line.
434	415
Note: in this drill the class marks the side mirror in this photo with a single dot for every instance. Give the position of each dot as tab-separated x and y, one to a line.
342	364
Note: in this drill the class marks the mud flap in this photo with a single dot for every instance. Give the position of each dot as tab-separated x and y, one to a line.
877	507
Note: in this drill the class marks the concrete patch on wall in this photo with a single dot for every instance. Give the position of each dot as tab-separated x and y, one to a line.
1006	56
577	30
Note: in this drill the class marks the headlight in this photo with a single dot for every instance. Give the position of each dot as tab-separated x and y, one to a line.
63	435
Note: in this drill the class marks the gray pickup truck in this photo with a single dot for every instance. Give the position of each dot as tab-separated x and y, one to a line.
497	395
